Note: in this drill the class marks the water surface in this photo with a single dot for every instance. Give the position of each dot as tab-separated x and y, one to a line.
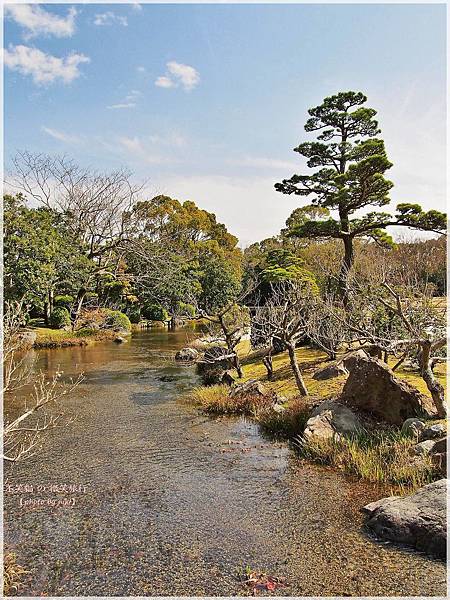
170	502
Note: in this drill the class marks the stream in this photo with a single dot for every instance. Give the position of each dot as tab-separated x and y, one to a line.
161	500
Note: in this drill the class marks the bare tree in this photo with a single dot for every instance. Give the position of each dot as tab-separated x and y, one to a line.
24	434
324	331
399	317
95	206
229	325
283	320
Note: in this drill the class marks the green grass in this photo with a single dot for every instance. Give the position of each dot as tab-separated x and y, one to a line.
59	338
286	424
381	457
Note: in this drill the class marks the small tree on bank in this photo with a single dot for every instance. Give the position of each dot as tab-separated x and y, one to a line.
283	320
351	164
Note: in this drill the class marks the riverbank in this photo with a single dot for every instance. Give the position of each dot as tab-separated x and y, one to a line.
379	453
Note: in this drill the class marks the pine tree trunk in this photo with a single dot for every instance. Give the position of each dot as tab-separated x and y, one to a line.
347	263
296	370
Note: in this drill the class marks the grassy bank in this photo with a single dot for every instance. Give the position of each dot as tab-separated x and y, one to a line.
59	338
376	456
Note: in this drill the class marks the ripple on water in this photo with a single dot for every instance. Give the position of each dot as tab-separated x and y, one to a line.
175	502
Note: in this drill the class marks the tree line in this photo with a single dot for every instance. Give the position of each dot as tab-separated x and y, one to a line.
77	239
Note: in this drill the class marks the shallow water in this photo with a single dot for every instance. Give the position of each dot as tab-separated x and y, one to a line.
172	503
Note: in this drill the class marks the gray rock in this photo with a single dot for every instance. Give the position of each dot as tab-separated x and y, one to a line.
430	447
278	408
330	371
373	387
433	432
186	354
413	427
252	387
331	420
419	520
119	340
423	448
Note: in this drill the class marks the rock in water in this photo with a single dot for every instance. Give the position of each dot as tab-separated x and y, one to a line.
373	387
330	371
119	340
419	520
187	354
331	419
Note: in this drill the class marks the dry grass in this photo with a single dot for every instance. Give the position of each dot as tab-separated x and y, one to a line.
215	400
13	574
381	457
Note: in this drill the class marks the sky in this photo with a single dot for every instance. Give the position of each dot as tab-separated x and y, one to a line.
207	102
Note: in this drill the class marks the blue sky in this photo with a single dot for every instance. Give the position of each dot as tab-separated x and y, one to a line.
206	102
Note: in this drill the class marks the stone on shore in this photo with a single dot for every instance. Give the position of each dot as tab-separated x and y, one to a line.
373	387
418	520
331	420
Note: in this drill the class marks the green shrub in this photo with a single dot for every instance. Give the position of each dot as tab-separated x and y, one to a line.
154	312
186	310
60	318
64	300
117	320
134	314
287	423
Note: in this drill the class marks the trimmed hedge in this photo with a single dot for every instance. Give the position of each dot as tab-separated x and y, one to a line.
60	318
154	312
117	320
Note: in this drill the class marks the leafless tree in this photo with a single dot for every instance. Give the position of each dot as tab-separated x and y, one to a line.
95	206
399	318
229	325
24	434
283	320
324	331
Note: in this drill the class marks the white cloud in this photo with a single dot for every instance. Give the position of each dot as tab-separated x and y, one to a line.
128	102
39	21
141	69
42	67
61	136
165	82
136	6
109	18
179	74
122	105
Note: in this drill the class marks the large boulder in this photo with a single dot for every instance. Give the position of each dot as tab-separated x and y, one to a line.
187	354
419	520
25	339
373	387
331	420
330	371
